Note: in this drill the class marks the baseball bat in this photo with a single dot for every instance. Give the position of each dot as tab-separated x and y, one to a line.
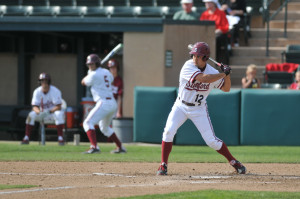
190	46
112	52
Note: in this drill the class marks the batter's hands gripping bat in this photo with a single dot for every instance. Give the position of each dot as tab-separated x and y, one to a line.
225	68
112	52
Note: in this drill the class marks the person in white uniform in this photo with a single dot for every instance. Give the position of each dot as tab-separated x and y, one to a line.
100	80
46	105
197	78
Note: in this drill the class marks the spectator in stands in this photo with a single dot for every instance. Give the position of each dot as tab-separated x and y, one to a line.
234	10
186	13
251	81
113	66
296	84
212	13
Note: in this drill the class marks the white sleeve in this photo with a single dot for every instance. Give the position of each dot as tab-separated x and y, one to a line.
88	80
219	83
36	98
56	98
190	73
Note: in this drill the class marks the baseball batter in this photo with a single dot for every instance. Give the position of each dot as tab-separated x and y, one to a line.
197	79
100	80
46	105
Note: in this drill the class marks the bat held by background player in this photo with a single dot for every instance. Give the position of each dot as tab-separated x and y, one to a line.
112	52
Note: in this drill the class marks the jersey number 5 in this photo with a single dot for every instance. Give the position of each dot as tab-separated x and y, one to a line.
198	99
106	81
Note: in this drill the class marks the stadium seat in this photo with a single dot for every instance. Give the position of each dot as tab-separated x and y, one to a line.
10	2
96	11
291	54
62	2
89	3
123	11
41	11
12	10
143	3
36	3
151	11
115	2
169	3
280	77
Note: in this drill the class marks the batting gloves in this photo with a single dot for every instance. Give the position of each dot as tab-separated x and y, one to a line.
226	69
44	114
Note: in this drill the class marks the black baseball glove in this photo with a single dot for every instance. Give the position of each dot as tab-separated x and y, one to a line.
225	68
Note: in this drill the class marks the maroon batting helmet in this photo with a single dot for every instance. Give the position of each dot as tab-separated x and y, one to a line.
93	59
45	76
113	63
201	49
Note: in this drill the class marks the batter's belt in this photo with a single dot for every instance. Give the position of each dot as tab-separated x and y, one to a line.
187	103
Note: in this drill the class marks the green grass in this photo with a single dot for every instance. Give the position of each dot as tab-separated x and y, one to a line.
218	194
6	186
13	151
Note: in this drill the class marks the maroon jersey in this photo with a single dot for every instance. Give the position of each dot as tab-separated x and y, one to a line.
118	87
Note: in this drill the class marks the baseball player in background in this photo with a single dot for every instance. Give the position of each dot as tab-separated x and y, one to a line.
46	105
100	80
117	86
197	78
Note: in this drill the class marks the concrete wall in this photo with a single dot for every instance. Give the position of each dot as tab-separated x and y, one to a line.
63	72
8	79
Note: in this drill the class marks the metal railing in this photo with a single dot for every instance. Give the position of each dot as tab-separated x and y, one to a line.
268	18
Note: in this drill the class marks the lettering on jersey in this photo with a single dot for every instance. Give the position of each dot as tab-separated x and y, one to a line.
198	86
47	104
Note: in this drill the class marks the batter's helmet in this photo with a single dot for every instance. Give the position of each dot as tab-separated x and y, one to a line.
113	63
93	59
43	76
201	49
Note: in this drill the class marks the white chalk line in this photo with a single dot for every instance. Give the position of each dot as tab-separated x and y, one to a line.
113	174
34	190
59	174
210	177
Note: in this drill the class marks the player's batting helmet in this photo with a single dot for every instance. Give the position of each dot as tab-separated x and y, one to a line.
93	59
45	76
201	49
113	63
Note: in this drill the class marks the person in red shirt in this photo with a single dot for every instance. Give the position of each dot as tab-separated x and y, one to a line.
296	84
113	66
212	13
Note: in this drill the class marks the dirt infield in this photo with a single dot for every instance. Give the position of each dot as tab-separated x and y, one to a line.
111	179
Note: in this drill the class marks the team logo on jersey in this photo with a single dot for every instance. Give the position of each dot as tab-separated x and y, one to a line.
198	86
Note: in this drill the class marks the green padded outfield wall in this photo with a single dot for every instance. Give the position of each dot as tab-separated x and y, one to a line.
270	117
151	109
224	110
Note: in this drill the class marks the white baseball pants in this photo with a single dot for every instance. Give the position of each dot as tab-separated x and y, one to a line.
102	113
199	116
58	117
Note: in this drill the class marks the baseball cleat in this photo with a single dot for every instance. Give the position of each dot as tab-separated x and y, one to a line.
24	142
239	167
119	150
92	150
162	169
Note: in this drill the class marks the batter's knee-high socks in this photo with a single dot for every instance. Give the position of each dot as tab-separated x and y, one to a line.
225	152
92	137
115	139
166	148
60	128
28	130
